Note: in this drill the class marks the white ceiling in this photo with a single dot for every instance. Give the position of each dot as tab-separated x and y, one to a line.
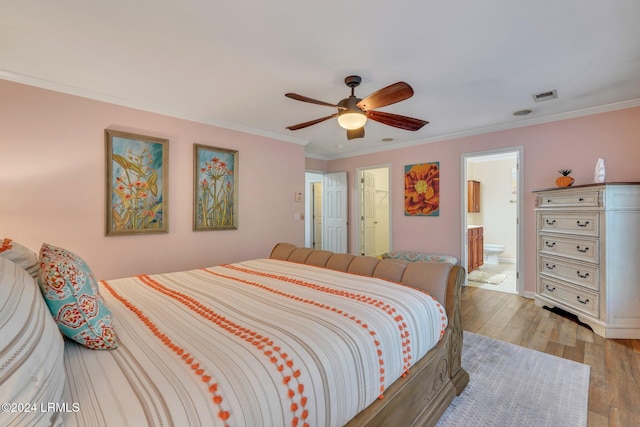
229	63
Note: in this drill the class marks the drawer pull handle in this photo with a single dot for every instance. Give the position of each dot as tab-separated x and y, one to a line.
586	301
585	250
551	288
583	224
549	244
582	276
550	222
581	199
549	266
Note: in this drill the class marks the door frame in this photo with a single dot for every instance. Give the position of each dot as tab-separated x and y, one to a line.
359	208
313	237
520	267
311	177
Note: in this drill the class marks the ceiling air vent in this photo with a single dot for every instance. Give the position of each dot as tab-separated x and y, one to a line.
545	96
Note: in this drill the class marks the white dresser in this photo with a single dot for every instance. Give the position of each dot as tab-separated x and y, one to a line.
588	250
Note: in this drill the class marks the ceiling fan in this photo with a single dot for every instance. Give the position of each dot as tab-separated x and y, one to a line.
353	112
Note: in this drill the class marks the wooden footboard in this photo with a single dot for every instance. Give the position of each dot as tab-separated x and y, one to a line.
459	376
422	397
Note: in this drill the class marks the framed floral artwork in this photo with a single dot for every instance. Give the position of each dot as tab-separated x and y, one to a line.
422	189
215	188
136	193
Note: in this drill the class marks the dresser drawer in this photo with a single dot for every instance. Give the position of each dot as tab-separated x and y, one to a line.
579	223
576	248
573	296
581	274
569	199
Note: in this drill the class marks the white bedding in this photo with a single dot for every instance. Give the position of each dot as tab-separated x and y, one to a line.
269	343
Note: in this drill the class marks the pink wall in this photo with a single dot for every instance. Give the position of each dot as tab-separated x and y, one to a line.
315	164
567	144
52	176
52	185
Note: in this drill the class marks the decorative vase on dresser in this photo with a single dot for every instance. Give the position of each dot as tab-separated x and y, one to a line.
588	255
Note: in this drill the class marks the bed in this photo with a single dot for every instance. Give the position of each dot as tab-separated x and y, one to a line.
301	338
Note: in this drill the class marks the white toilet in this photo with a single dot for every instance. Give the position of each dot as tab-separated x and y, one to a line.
491	253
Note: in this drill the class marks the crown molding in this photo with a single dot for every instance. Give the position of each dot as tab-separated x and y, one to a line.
496	128
138	105
131	103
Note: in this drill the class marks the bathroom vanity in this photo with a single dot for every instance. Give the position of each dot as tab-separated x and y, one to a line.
475	243
588	255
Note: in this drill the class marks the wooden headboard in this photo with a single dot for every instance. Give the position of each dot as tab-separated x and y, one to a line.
428	276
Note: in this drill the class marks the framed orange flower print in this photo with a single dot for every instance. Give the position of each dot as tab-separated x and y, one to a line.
422	189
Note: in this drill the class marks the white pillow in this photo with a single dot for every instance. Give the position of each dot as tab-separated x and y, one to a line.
31	352
21	255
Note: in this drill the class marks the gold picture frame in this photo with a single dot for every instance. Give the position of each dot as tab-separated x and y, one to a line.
215	188
136	183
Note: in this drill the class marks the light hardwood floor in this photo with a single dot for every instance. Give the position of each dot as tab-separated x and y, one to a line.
614	382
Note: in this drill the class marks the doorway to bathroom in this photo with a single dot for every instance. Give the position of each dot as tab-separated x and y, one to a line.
491	219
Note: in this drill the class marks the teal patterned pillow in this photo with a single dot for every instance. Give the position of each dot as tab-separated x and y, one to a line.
71	292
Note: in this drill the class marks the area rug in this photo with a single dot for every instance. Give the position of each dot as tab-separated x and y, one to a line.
484	277
511	385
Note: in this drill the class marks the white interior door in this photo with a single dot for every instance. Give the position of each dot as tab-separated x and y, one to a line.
334	212
369	213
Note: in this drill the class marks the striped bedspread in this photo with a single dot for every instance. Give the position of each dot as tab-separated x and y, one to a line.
256	343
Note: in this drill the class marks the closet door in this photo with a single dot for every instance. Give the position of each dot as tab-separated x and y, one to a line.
334	209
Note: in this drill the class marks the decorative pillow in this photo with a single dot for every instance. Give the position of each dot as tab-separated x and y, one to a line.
418	256
71	292
21	255
32	370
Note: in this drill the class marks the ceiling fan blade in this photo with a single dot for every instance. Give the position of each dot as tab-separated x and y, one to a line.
311	122
312	101
396	120
386	96
355	133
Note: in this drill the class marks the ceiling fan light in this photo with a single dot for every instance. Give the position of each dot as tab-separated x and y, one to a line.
351	120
